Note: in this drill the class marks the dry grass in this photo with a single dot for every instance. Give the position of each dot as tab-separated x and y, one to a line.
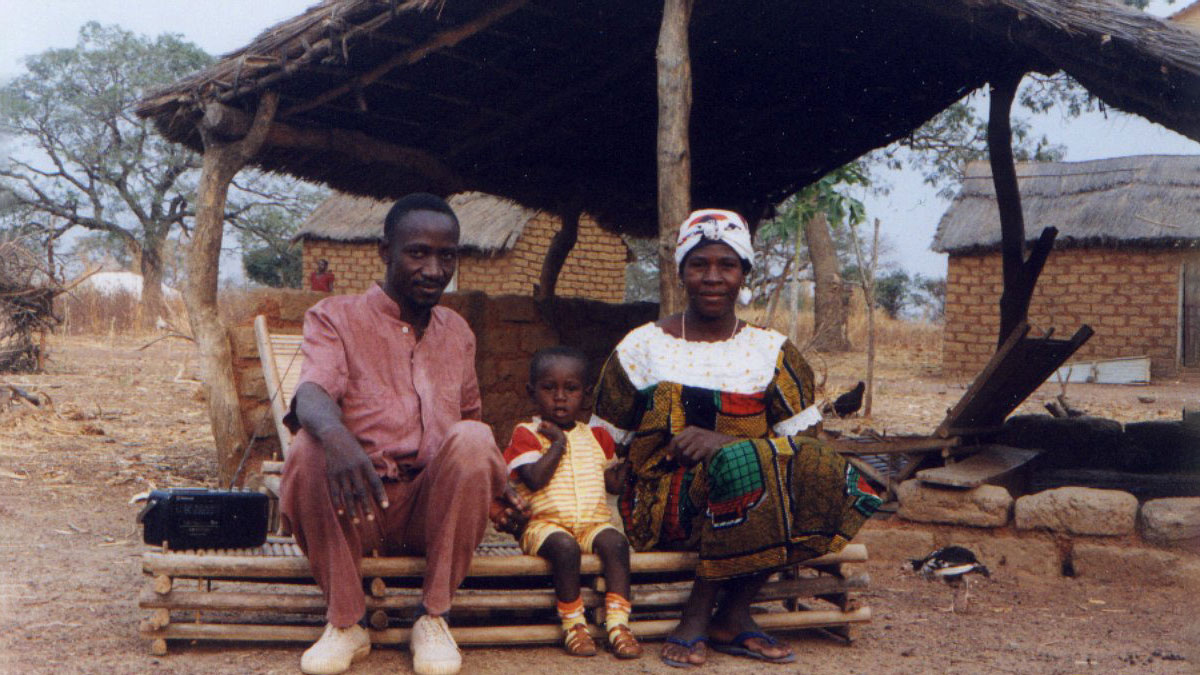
87	311
890	334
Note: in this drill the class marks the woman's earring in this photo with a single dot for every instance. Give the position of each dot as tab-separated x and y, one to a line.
745	295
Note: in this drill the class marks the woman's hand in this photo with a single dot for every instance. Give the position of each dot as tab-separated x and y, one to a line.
695	445
615	477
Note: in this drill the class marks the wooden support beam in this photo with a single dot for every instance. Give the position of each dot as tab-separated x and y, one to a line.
674	150
230	124
1020	275
556	254
222	161
443	40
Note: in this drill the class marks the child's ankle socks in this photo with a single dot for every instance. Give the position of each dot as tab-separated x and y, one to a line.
616	611
571	613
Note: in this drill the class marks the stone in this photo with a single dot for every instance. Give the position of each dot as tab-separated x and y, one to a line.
984	506
1134	565
1078	510
1172	521
1035	555
891	543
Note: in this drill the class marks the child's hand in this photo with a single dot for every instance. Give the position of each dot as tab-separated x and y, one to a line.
552	431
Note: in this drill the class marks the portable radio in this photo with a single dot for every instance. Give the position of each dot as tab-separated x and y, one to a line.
187	518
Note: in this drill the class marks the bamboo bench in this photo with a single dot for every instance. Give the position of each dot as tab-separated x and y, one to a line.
267	594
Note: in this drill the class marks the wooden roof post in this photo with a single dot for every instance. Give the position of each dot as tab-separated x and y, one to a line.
674	153
223	158
556	254
1020	275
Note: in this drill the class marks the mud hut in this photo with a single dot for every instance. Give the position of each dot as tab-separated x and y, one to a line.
503	243
1126	261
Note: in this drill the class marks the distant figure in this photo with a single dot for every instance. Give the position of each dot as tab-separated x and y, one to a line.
322	279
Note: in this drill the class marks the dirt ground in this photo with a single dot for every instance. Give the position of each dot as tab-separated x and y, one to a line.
124	420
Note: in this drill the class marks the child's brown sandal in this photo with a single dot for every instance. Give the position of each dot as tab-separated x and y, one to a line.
578	642
622	642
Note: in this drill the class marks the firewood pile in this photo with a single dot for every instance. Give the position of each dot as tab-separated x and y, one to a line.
27	292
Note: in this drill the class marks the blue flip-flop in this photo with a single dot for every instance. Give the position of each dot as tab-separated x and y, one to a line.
735	647
689	644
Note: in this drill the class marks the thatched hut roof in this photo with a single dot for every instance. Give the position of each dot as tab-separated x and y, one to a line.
553	103
1151	200
487	224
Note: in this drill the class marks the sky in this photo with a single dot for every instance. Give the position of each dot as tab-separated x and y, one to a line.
908	214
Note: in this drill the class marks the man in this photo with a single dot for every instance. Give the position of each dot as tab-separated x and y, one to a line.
390	456
322	278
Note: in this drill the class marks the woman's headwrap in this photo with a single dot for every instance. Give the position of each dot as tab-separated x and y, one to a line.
726	227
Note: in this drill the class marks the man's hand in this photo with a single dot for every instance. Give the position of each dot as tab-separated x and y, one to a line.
694	445
509	513
354	486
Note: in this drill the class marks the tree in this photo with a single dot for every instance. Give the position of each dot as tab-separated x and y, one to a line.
273	268
97	166
84	159
892	292
811	213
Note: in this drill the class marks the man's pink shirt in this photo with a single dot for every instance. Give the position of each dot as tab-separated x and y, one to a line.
399	396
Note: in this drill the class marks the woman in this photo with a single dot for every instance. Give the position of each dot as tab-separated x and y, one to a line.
715	418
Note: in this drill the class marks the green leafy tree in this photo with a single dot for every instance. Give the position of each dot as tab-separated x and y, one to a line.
893	292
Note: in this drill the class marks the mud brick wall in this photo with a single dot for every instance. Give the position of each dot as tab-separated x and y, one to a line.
595	269
1130	297
508	330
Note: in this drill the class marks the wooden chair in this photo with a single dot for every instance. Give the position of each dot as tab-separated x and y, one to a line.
267	594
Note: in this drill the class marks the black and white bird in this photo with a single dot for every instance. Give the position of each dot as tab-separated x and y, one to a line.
952	564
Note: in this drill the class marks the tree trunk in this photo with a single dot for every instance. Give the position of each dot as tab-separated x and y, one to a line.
829	301
151	268
1020	275
222	161
556	255
674	155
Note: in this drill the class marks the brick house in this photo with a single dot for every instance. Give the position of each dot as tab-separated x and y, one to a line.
1126	261
503	247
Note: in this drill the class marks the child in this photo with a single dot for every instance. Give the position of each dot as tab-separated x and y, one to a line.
560	466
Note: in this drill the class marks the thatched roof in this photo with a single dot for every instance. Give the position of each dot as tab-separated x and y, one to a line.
552	103
1151	200
488	224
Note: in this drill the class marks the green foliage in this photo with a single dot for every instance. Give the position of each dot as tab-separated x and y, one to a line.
892	292
274	268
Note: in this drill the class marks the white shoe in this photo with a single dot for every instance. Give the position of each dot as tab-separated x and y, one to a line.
336	650
433	648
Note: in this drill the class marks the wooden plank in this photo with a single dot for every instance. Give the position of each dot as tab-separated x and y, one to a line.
206	565
266	356
310	601
490	635
990	463
898	445
981	380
